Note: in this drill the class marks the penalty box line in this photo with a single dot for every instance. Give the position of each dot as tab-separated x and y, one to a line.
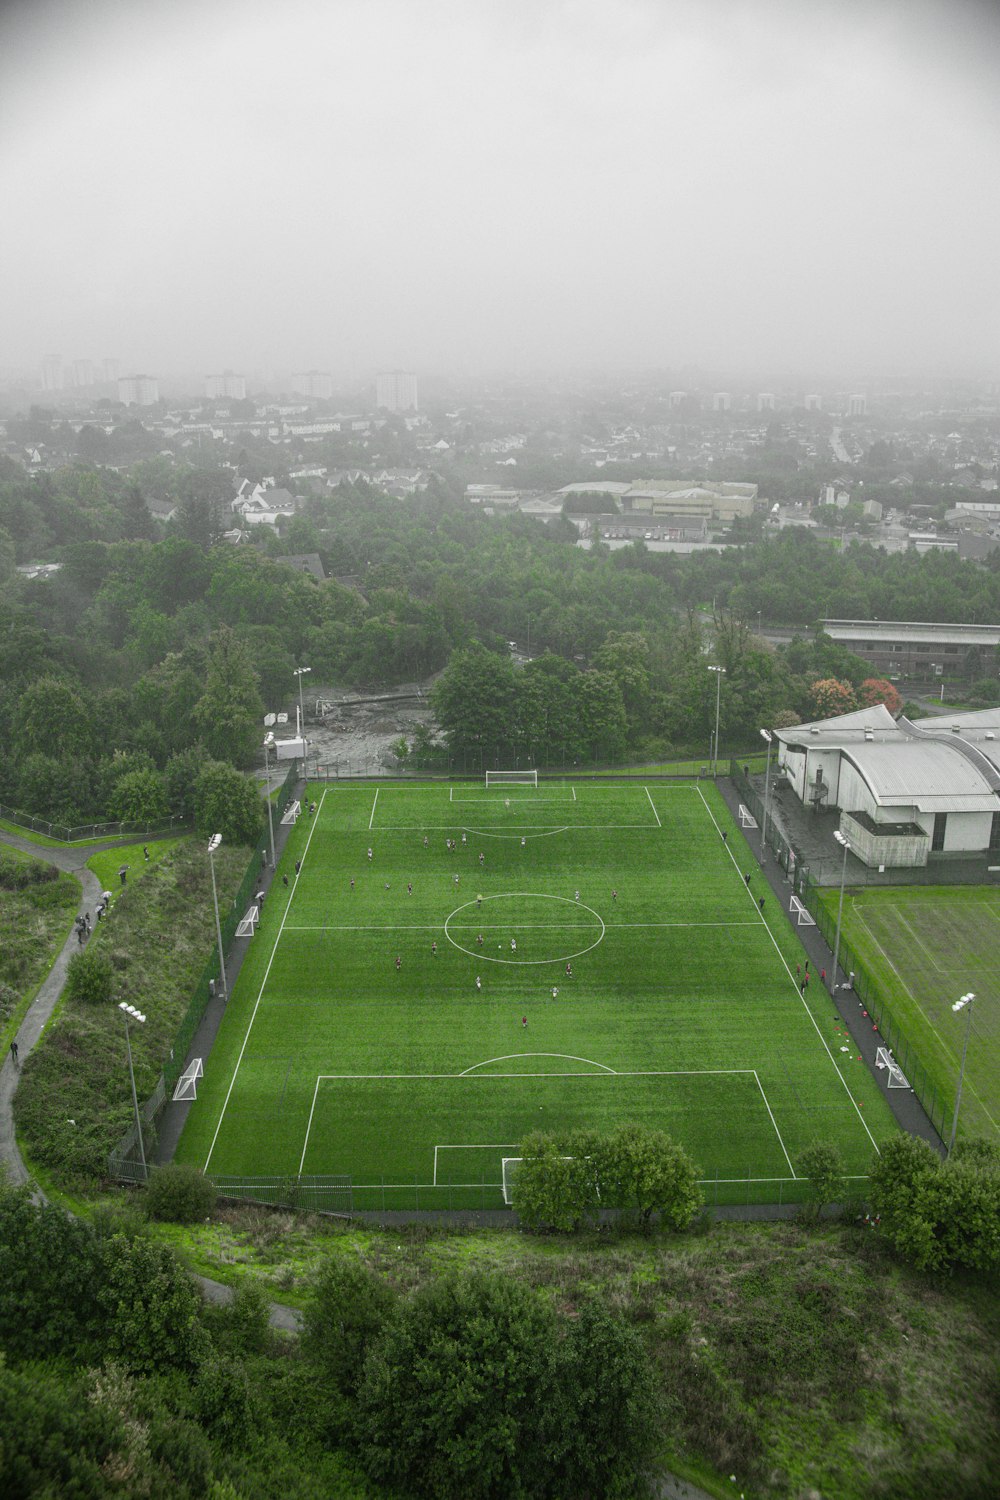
260	993
483	1077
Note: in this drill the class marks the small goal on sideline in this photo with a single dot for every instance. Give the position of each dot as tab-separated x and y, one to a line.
802	917
897	1079
510	1165
186	1086
511	778
747	819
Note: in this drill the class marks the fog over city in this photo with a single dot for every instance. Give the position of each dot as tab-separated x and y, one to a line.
745	184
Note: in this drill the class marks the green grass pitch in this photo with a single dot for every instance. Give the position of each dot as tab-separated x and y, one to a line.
925	946
680	1005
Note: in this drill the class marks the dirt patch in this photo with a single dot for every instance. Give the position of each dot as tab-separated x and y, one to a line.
352	734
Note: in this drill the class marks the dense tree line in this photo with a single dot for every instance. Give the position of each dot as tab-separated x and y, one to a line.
142	652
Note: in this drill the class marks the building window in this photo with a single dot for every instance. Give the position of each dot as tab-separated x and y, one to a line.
940	824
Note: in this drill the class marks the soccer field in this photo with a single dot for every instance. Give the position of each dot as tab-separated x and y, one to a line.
583	955
924	946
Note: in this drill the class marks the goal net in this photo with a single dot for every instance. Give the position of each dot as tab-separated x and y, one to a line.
186	1086
248	926
897	1078
291	813
798	911
512	778
510	1165
747	819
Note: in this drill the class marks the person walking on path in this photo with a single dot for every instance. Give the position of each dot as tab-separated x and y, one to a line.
13	1051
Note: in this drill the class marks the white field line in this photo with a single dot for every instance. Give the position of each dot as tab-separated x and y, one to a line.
774	1122
508	1056
263	982
897	913
608	1073
655	813
312	1111
802	998
702	1182
506	926
371	820
522	827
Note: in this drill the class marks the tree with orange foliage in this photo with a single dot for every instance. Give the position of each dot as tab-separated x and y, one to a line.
831	696
878	690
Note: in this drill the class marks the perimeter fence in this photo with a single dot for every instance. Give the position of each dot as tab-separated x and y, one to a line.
86	833
124	1161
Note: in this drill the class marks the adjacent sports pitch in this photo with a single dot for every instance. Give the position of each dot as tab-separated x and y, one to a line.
924	946
585	954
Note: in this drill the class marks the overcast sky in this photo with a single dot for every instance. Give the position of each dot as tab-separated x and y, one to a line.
281	184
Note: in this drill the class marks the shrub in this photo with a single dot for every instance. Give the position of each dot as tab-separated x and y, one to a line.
351	1306
179	1194
822	1166
90	977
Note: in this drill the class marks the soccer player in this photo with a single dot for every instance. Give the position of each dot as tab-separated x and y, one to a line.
576	895
482	859
464	840
409	887
524	842
352	882
434	947
479	983
513	945
555	992
369	852
569	971
479	940
399	963
524	1020
456	880
506	802
425	841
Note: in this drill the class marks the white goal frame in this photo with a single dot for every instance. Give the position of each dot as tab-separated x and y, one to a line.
511	778
291	813
803	918
248	926
747	819
186	1086
897	1079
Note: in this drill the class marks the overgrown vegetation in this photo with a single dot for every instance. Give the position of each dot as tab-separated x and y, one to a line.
73	1102
36	908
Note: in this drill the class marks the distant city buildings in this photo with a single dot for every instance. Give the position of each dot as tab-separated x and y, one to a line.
396	390
315	383
111	368
227	384
765	401
52	372
138	390
722	401
83	373
857	405
813	402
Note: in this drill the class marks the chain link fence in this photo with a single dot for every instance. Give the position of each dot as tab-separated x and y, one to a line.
85	833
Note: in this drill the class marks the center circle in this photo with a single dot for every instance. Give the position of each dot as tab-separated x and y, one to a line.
540	934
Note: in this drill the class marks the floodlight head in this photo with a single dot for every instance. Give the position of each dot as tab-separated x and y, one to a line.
718	669
214	842
123	1006
965	1000
298	671
269	739
765	734
841	839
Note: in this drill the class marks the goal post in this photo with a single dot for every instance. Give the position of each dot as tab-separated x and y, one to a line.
897	1079
803	918
511	778
510	1165
747	819
186	1086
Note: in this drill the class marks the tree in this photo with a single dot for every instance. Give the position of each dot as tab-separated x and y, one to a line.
139	797
54	1441
49	1270
90	977
179	1194
149	1304
229	712
822	1166
555	1184
461	1395
878	690
642	1172
53	719
829	697
473	701
939	1214
349	1310
227	802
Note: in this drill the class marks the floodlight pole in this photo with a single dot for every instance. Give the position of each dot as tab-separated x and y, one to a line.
964	1004
268	742
840	909
767	786
720	673
130	1010
213	844
300	672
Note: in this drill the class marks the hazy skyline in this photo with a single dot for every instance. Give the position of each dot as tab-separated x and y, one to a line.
747	184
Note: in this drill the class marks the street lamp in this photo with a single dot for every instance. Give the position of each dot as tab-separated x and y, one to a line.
966	1001
213	844
268	742
300	672
720	673
130	1010
840	909
765	735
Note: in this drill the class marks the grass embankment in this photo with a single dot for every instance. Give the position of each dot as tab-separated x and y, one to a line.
37	904
798	1360
73	1102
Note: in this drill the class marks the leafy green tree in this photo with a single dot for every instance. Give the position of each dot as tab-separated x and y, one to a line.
53	1442
181	778
179	1194
49	1269
90	977
53	719
555	1185
473	702
227	802
351	1307
822	1166
139	797
610	1393
149	1305
461	1396
642	1172
229	713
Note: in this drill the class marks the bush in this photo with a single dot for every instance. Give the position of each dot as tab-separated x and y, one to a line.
822	1166
90	977
179	1194
939	1214
351	1307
